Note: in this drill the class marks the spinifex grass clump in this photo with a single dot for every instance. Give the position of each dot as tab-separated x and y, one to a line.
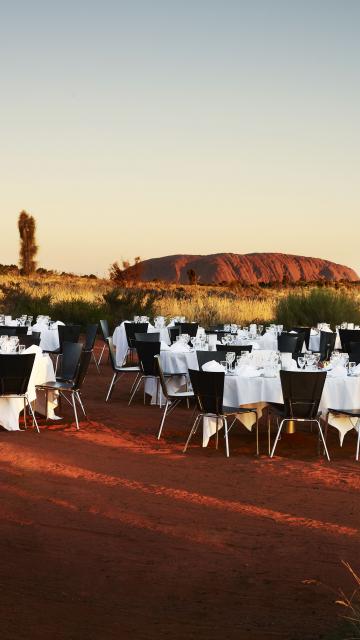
317	305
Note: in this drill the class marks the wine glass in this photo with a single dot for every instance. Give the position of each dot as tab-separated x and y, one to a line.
351	368
301	362
230	357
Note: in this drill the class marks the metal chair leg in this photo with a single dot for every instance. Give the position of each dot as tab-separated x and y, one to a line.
75	410
226	437
323	439
32	415
101	354
77	395
135	390
111	387
277	437
25	425
269	432
257	433
95	361
135	381
358	441
163	419
192	431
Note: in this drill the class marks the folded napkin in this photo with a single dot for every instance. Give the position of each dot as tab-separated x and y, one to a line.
247	371
356	370
58	322
314	332
327	330
34	349
212	365
164	346
179	346
338	372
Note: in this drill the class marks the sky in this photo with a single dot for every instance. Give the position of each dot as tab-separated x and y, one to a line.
157	127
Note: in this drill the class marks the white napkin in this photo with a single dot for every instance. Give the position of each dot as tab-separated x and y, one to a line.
59	322
357	370
179	346
314	332
34	349
212	365
327	330
247	371
338	372
164	346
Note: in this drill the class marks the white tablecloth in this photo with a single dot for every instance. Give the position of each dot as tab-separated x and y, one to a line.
49	338
121	343
43	371
338	393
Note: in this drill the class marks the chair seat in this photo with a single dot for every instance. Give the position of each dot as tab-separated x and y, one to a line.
354	413
125	369
181	394
56	385
239	409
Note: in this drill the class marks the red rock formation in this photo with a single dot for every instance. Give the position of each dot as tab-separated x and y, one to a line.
249	268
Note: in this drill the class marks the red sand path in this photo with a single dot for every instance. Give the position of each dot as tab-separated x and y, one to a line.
108	533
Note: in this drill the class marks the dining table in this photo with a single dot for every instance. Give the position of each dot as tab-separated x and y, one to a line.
43	371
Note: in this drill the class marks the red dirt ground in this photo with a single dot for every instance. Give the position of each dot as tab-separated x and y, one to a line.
107	533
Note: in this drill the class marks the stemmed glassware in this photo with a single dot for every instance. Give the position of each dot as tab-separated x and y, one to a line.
230	357
301	362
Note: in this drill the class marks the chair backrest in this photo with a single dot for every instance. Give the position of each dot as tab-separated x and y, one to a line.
15	372
306	331
68	333
7	331
347	336
147	337
189	327
36	334
21	331
90	336
235	348
354	352
70	359
288	343
29	341
104	326
146	353
207	356
112	353
173	333
160	373
82	368
208	387
327	344
134	327
302	392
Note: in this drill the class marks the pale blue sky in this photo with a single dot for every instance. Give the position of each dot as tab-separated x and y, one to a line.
158	127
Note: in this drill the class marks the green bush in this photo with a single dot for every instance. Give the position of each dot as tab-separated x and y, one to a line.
319	305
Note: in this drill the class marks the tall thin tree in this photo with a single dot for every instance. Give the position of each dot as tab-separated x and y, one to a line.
28	246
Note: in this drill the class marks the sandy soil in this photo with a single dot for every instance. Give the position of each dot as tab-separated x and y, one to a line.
107	533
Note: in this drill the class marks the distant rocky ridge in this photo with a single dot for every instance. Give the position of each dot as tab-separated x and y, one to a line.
249	268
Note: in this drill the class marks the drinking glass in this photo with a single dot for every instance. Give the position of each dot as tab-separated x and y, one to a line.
301	362
351	368
21	348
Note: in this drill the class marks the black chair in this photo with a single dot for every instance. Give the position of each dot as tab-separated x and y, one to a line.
71	387
347	336
90	337
235	348
69	362
119	371
327	344
7	331
207	356
173	333
105	334
130	329
15	372
208	387
146	352
68	333
171	399
302	394
29	341
306	331
189	327
288	343
147	337
348	413
354	353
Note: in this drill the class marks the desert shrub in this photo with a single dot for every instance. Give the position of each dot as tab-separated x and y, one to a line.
78	311
318	305
16	301
123	304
